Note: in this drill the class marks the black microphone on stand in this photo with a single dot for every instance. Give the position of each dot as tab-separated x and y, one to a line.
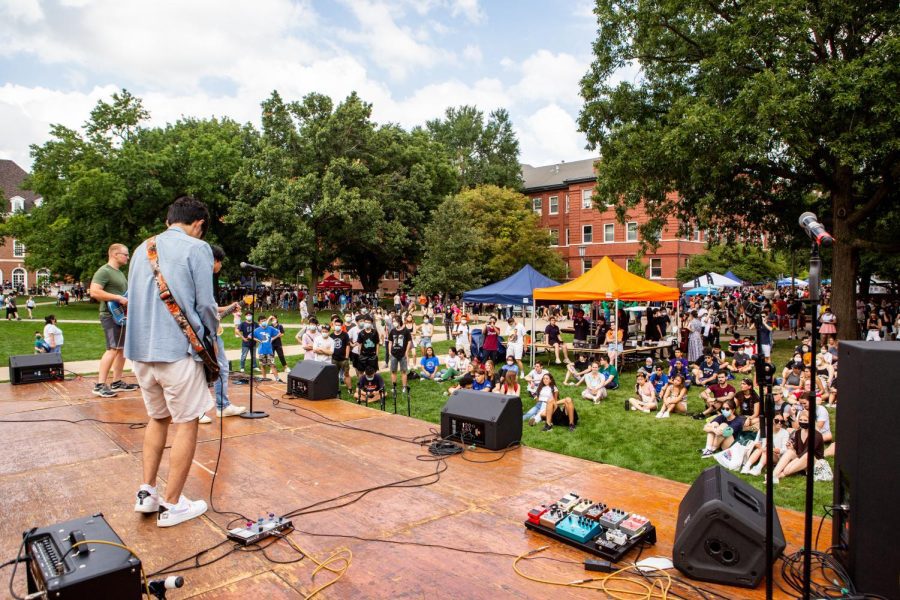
810	224
248	267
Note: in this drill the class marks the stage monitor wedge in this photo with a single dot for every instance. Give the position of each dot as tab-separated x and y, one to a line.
34	368
720	535
489	420
313	380
867	463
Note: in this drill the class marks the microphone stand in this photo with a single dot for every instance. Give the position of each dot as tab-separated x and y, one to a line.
815	273
253	414
768	400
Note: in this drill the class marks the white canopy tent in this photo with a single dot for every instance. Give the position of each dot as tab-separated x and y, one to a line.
713	280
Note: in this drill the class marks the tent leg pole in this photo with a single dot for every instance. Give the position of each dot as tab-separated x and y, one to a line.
533	332
616	336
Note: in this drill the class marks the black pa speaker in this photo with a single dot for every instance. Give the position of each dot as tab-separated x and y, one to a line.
720	536
866	527
32	368
313	380
489	420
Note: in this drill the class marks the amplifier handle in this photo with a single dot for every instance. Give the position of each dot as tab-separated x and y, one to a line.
745	499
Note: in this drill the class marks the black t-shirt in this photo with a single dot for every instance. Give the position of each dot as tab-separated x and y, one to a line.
740	359
745	404
341	342
246	330
370	385
581	327
552	332
277	342
400	340
368	342
709	370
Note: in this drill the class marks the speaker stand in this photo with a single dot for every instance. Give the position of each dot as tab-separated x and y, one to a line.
253	414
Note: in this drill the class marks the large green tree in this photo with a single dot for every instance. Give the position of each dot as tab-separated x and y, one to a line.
492	233
327	185
113	181
750	263
483	151
745	110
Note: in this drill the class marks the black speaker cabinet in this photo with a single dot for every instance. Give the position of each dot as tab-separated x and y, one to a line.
720	535
313	380
867	465
32	368
485	419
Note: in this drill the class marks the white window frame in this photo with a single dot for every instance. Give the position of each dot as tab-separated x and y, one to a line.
567	202
19	271
609	227
556	231
18	249
584	239
628	231
587	199
17	203
567	236
550	205
657	261
537	205
584	265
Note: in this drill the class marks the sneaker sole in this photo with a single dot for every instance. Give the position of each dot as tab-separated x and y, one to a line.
141	508
103	394
172	523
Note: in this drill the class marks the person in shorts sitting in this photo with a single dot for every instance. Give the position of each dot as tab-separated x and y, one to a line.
716	395
644	399
370	387
578	369
533	379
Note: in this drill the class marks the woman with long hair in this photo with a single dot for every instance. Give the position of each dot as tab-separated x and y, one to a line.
695	339
674	398
510	385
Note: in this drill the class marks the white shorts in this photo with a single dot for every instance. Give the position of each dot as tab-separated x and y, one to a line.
176	390
515	350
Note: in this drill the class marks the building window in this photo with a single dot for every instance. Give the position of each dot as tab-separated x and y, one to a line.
17	203
609	233
554	205
18	278
567	203
631	231
586	264
18	249
567	236
42	277
587	234
586	201
554	237
537	205
655	268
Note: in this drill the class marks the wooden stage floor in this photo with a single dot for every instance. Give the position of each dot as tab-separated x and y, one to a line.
55	471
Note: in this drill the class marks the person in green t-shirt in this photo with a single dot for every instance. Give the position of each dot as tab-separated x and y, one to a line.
610	374
110	284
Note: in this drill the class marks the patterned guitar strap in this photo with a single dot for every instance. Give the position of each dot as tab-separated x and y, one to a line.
209	360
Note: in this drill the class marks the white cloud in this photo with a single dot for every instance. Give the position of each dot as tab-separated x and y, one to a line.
472	54
550	135
470	9
549	77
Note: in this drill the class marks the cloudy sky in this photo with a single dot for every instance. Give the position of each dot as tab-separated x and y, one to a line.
410	58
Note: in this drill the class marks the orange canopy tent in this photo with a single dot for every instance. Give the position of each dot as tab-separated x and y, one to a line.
607	281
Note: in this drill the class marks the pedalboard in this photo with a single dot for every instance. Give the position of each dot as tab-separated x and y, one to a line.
592	526
255	532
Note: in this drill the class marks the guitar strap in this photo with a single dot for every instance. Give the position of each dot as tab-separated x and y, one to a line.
210	364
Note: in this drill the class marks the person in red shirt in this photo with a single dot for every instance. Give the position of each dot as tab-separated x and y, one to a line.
716	395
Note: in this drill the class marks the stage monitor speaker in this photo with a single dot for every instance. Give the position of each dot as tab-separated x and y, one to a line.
720	535
313	380
867	463
492	421
32	368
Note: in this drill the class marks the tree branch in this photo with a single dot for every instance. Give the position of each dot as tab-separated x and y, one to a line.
864	244
887	182
695	44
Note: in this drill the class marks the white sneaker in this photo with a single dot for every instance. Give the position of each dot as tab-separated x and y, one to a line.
746	470
147	500
755	471
660	415
205	420
174	514
231	411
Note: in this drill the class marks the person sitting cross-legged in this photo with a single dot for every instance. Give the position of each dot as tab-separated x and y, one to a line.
716	395
610	374
645	399
594	390
430	364
370	387
705	371
533	379
658	380
722	430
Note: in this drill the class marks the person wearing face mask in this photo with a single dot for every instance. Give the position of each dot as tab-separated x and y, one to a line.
461	331
399	341
306	337
756	460
277	344
323	345
245	329
367	340
794	459
722	430
370	387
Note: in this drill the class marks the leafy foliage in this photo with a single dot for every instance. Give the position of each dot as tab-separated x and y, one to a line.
747	110
747	262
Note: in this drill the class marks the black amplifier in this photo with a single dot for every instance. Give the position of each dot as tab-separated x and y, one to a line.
86	571
33	368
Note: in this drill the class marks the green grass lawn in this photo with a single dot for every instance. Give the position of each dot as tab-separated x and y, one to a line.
669	448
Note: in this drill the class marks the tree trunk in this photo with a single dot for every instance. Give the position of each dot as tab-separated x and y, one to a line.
844	264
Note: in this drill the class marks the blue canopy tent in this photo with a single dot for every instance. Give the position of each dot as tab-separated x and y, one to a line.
731	275
788	281
702	291
516	289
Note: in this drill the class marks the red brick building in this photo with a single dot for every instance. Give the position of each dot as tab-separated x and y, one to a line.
562	195
13	273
